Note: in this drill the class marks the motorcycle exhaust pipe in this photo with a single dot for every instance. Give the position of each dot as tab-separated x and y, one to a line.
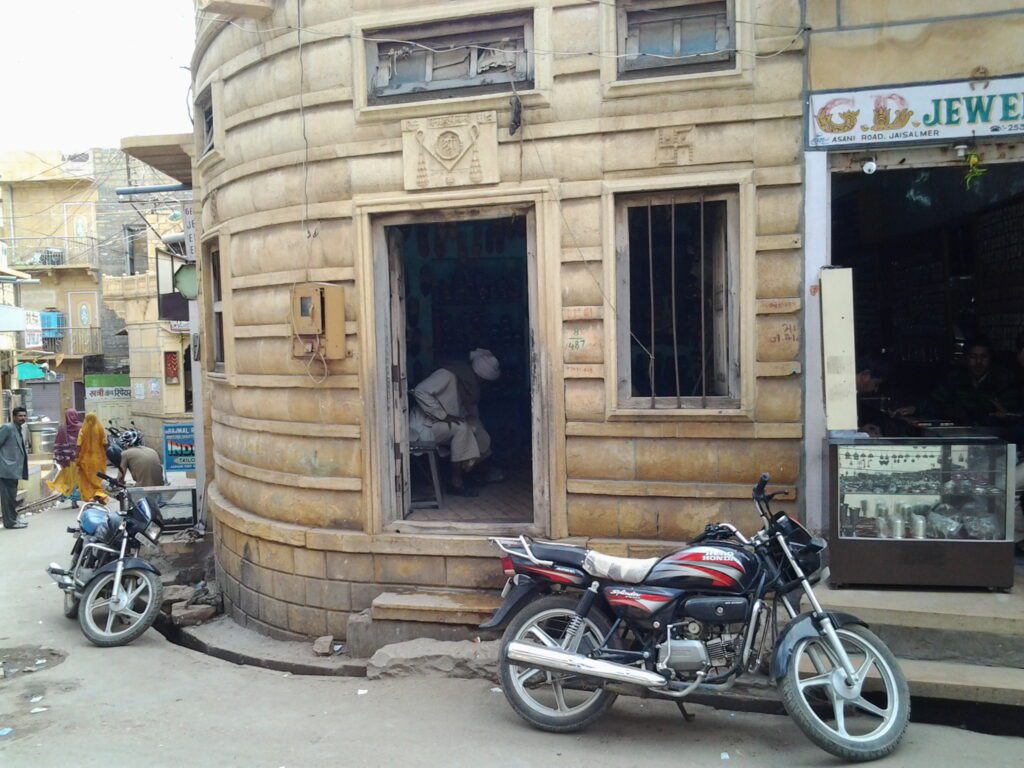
573	663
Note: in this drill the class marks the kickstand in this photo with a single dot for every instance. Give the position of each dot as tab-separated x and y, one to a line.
686	715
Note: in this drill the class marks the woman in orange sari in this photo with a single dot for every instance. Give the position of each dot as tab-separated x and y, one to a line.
92	458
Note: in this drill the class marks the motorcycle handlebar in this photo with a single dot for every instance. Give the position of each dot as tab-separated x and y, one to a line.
761	485
109	479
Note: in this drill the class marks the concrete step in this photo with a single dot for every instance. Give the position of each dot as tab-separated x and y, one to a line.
435	607
983	628
964	682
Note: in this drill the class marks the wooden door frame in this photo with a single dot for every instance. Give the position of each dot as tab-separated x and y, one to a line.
371	216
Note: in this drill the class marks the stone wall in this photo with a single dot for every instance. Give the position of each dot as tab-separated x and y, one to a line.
296	480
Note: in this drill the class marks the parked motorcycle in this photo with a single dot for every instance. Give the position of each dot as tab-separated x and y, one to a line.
114	594
114	447
583	627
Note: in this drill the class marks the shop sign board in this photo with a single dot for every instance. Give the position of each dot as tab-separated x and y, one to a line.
107	387
106	394
179	448
189	221
895	114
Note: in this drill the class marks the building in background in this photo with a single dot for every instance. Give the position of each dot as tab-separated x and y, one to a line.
159	343
64	225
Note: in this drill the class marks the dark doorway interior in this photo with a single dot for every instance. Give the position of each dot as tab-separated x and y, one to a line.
936	260
466	288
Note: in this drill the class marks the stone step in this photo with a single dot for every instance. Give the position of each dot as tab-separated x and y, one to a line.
984	628
964	682
435	607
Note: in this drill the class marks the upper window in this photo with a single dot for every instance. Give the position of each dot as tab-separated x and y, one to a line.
484	55
661	37
678	319
204	116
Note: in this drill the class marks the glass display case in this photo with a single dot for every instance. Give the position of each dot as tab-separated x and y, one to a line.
921	512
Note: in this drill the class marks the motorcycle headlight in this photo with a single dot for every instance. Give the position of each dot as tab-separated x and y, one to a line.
152	532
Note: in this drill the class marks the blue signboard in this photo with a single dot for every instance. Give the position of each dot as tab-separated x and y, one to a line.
179	448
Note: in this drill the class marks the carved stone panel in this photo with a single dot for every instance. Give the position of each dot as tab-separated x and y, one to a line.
450	151
672	146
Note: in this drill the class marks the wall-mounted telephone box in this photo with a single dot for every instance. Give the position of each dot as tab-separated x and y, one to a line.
318	320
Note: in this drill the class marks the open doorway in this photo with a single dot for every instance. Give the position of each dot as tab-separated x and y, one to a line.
458	287
937	268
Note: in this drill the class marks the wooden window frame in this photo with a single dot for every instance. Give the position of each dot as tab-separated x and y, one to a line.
209	127
619	81
732	401
743	225
486	29
677	11
217	299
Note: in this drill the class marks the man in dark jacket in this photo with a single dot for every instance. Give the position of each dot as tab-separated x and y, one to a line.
13	466
972	394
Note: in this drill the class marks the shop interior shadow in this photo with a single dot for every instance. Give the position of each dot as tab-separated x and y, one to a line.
466	288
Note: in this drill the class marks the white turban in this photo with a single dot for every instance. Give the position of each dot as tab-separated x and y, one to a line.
485	365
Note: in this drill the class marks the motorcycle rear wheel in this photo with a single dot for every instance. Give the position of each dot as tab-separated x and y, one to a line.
577	702
840	720
108	624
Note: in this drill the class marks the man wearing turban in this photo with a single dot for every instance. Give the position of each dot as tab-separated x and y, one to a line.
446	412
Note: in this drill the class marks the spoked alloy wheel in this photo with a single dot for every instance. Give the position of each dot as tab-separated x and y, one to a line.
838	717
109	620
554	701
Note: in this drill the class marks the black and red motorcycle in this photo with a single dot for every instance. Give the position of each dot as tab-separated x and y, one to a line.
582	627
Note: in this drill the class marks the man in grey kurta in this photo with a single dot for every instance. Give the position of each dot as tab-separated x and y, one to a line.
13	466
446	412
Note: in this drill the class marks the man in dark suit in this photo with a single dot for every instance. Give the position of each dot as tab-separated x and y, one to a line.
13	466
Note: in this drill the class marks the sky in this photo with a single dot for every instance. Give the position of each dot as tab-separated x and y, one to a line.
77	74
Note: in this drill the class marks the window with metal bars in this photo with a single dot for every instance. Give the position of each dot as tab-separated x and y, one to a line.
662	37
677	313
481	55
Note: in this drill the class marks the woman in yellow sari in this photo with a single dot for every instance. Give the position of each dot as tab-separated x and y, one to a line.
92	458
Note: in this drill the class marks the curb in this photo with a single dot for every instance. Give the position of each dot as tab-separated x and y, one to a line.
186	637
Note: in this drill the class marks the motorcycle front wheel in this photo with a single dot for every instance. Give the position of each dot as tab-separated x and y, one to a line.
108	620
838	717
553	701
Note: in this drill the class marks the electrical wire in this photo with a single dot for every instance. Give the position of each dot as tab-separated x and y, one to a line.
299	29
470	46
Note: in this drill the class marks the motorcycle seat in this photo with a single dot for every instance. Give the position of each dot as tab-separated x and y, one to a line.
563	554
627	570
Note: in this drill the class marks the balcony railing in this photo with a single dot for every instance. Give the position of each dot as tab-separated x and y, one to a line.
45	252
72	342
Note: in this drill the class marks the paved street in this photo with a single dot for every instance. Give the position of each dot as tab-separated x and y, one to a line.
156	704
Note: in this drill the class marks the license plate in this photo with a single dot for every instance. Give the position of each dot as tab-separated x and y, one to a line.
507	589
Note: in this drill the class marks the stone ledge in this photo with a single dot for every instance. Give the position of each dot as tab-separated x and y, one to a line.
225	639
439	607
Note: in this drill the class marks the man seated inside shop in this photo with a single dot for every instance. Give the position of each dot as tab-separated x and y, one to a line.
446	412
973	394
878	411
872	372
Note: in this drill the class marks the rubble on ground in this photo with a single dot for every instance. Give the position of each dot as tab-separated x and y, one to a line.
424	656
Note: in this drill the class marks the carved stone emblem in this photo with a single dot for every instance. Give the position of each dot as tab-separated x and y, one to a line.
672	146
450	151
